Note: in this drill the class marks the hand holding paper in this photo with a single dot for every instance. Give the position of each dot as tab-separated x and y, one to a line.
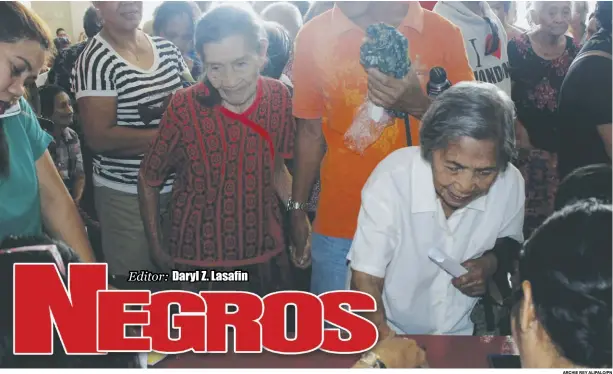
480	271
451	266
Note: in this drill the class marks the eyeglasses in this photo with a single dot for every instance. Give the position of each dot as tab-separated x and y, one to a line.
52	249
492	43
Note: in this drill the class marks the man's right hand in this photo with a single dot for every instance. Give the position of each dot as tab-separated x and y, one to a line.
300	234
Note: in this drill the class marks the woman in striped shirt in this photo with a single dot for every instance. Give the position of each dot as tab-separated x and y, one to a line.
123	82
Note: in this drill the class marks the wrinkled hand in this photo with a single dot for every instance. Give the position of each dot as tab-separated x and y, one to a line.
300	235
161	258
400	353
386	333
480	270
403	94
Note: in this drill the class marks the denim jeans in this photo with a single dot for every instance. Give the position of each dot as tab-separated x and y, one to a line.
329	259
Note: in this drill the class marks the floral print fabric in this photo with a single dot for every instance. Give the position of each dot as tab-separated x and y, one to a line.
536	85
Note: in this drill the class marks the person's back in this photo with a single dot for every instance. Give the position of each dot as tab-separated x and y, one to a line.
585	102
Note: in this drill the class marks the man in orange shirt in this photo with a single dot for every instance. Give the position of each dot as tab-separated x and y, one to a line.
329	86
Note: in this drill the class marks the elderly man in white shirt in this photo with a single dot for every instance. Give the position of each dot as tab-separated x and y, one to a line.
457	193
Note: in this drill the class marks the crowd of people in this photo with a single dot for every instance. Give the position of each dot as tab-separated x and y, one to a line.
215	136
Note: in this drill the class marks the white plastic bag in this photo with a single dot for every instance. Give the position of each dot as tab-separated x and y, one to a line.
367	127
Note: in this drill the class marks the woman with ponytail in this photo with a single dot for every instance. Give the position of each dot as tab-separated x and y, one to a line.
32	195
562	312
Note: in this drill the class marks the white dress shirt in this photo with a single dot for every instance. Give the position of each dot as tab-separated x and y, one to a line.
401	218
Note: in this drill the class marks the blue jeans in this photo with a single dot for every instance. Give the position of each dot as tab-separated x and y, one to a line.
329	258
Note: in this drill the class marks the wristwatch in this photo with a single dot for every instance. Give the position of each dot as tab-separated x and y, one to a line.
294	205
372	360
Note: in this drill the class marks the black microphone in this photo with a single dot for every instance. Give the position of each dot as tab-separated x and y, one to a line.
438	82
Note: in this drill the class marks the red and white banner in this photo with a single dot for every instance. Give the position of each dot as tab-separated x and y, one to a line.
90	319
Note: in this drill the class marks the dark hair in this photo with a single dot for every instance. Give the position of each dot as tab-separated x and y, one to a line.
279	50
470	109
219	23
18	23
568	264
58	30
169	9
603	14
47	94
92	24
59	359
592	181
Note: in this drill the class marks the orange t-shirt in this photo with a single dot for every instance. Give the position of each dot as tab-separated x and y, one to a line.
330	83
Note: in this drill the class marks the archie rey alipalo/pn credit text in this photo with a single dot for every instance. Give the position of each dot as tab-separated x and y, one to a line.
189	276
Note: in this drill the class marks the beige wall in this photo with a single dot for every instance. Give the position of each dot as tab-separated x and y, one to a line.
65	14
57	14
77	10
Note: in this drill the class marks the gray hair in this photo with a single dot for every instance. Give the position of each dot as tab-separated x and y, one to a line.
476	110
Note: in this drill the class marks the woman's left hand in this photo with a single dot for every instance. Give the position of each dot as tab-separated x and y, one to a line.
480	270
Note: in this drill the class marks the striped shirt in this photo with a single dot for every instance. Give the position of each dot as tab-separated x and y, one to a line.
142	96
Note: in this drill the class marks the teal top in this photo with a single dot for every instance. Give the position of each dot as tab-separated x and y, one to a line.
20	212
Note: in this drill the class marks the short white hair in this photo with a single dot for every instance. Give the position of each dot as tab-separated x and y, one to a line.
534	8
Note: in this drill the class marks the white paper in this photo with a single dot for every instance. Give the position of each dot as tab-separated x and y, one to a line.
451	266
375	112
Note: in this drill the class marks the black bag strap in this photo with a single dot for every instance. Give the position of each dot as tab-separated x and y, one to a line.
407	127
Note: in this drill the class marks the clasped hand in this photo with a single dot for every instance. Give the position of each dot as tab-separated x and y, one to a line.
404	95
300	234
480	270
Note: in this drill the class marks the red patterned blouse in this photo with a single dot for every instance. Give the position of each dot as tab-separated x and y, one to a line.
224	209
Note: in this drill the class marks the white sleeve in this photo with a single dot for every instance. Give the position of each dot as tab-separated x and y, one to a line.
375	239
513	225
92	74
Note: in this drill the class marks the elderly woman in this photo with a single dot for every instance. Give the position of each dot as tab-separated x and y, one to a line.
539	60
562	312
458	194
